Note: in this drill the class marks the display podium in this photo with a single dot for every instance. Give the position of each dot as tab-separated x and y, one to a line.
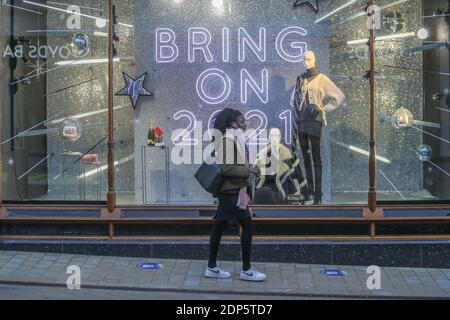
155	164
73	176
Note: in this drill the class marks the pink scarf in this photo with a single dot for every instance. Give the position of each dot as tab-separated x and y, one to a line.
243	199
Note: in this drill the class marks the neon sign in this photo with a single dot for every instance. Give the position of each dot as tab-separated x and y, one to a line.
288	46
201	87
199	40
214	85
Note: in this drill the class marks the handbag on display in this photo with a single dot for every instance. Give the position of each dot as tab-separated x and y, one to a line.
210	177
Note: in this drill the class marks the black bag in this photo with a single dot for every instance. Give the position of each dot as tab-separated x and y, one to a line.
210	177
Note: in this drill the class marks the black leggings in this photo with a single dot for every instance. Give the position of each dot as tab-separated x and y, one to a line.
246	241
304	138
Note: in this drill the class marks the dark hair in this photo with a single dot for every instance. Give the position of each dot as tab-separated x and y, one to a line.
225	118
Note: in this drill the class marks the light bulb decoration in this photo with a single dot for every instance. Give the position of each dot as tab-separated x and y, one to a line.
101	23
402	119
422	33
70	130
79	46
424	152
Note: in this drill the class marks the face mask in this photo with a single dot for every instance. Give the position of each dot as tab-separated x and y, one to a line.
239	131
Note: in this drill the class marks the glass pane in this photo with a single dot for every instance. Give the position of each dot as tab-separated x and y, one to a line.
349	128
125	153
412	101
54	100
194	58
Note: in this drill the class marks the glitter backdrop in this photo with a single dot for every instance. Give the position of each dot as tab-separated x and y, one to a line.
88	98
394	89
174	88
174	84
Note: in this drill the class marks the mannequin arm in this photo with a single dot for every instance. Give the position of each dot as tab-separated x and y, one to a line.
335	95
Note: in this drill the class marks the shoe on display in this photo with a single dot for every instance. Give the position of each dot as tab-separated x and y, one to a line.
216	273
252	275
310	200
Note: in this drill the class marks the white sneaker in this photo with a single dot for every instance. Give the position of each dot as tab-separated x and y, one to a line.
216	273
252	275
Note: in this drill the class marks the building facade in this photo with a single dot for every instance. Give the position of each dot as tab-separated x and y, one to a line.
175	65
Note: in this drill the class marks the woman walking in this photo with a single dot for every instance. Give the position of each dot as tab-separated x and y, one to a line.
233	194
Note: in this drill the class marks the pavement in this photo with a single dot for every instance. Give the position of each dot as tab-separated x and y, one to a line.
33	275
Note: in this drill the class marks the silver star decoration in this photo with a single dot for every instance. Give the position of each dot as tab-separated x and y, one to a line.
11	162
313	3
134	89
38	67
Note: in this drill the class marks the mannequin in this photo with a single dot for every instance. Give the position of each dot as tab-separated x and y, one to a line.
314	95
279	167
